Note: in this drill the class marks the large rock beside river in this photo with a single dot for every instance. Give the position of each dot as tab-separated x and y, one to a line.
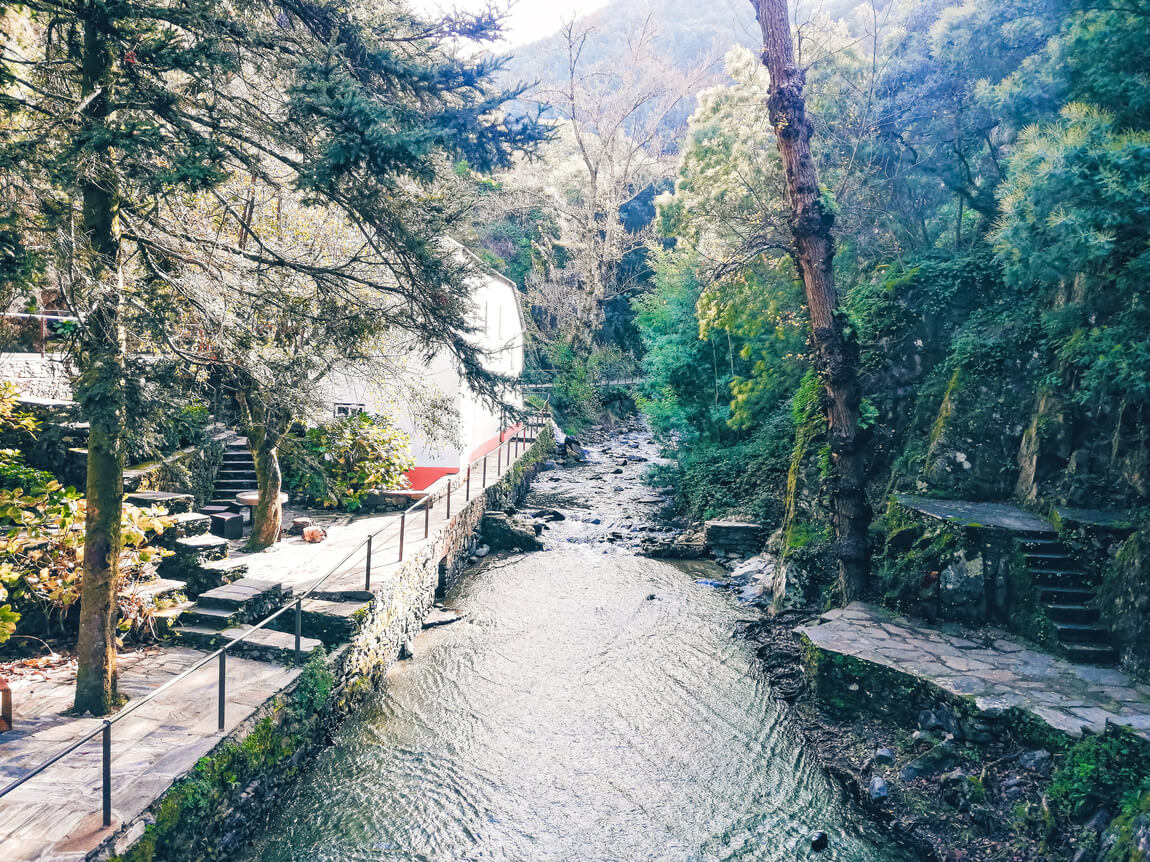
503	533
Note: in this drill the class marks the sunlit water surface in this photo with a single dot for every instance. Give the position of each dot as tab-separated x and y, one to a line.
570	717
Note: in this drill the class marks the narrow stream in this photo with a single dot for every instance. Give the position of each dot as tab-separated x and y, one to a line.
592	705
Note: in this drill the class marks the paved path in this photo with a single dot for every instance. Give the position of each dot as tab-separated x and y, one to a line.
56	815
968	514
996	674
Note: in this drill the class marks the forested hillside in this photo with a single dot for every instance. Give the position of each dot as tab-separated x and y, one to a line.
988	168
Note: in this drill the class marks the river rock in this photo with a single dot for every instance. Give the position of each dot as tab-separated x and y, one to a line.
1038	761
482	551
877	790
574	449
884	757
502	533
819	841
314	534
939	758
550	515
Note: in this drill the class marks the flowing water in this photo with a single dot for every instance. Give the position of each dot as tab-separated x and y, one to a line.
592	705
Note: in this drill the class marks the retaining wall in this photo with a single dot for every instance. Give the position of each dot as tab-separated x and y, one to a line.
231	793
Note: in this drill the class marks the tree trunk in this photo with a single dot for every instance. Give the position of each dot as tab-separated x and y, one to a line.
836	352
101	394
263	441
267	516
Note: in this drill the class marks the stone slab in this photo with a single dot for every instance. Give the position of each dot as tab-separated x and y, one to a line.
964	513
1068	697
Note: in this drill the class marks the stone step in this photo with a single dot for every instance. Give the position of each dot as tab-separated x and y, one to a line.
1048	544
263	644
250	598
208	576
1060	579
233	455
200	549
1071	613
1080	633
168	618
1048	555
212	618
333	622
236	473
225	487
173	503
1082	653
1057	594
187	525
1055	567
160	588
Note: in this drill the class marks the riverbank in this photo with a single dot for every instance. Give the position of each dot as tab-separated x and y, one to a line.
1008	788
182	787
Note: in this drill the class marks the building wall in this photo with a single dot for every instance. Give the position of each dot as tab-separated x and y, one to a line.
497	318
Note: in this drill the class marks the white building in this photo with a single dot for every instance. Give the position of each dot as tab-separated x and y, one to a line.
497	317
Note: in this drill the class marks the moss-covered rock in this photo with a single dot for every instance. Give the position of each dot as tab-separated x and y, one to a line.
1124	600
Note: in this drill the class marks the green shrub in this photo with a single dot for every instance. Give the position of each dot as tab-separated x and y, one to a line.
1109	770
336	464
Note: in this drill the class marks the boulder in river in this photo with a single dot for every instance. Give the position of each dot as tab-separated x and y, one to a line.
503	533
550	515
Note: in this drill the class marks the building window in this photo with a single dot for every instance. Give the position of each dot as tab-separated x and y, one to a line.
349	409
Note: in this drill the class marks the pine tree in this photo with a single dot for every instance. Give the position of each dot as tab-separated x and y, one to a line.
116	113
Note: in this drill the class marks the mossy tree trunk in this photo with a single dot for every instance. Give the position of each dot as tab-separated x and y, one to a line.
836	352
101	385
264	433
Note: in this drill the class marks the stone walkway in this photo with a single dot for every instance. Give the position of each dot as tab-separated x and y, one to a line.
56	815
996	674
968	514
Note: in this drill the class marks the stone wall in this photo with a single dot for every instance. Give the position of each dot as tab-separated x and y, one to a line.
231	793
38	376
732	539
1124	600
191	470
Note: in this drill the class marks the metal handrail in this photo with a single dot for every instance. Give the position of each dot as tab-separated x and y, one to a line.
105	728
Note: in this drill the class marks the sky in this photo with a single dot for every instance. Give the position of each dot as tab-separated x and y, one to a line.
528	19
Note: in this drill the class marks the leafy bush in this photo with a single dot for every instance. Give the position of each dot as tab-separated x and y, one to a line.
742	480
337	463
14	473
1107	770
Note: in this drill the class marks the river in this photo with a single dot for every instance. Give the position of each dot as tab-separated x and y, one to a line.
591	705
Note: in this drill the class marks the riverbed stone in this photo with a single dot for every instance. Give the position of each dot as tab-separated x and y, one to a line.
877	790
502	533
1039	760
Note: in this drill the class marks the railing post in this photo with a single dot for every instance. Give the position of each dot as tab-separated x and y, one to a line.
467	485
499	460
367	568
448	513
402	524
107	734
223	687
427	516
298	627
484	471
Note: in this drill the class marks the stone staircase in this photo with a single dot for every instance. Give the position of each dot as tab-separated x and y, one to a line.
237	473
1067	594
225	612
213	601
